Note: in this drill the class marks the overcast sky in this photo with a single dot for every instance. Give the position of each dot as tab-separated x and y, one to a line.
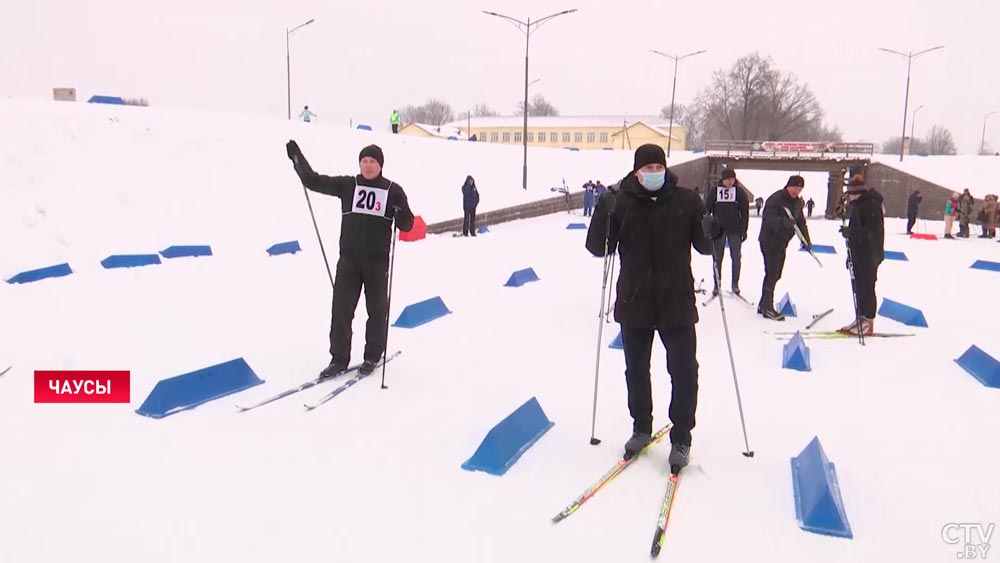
362	58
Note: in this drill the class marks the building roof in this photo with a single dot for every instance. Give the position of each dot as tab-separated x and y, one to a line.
445	130
563	121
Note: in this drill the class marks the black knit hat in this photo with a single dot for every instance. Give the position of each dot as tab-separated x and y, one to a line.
856	185
649	154
728	173
795	182
373	151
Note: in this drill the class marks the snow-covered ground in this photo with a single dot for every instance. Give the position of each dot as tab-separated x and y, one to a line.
375	475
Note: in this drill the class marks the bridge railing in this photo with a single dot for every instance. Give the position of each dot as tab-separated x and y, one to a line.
789	148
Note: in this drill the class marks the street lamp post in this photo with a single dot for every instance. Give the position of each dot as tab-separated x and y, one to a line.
909	62
288	63
677	59
982	144
913	125
527	37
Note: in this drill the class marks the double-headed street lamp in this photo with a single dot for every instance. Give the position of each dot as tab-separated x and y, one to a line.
909	62
288	63
677	59
526	28
913	124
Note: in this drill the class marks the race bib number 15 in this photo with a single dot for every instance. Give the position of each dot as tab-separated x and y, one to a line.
727	195
370	201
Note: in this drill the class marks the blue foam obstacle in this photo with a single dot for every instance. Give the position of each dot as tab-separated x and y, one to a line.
521	277
509	439
617	343
787	308
29	276
820	249
819	507
130	260
483	229
290	247
895	255
187	391
986	265
190	250
577	226
421	313
902	313
796	354
981	365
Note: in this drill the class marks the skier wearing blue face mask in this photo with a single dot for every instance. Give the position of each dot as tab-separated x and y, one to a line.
653	223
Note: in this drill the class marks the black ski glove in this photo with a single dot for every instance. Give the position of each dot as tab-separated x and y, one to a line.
608	200
846	232
711	227
292	148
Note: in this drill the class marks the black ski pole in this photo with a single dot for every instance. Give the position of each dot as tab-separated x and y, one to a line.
388	301
611	282
854	288
315	226
608	261
717	274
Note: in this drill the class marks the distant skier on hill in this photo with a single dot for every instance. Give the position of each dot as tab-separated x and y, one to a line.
370	203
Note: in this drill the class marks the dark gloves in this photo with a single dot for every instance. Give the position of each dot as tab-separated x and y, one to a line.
808	245
845	231
743	237
292	148
711	227
608	200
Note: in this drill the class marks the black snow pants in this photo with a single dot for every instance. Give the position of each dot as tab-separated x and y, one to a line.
352	274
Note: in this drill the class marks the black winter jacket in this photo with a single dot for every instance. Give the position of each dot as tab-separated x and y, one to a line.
731	206
653	233
368	207
470	197
776	229
866	230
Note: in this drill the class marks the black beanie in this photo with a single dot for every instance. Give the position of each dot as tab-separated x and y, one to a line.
649	154
796	182
728	173
373	151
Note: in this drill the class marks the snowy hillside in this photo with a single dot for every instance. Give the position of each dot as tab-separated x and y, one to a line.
374	475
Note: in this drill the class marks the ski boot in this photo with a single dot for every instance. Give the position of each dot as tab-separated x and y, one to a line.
866	327
335	368
636	443
679	457
367	367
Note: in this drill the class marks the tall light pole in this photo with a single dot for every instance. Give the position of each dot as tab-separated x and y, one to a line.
526	28
913	125
288	63
909	62
677	59
982	144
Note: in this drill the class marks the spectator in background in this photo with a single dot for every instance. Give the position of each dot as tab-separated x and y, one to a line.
307	115
965	204
758	203
588	199
470	200
599	189
809	206
394	121
950	211
912	207
989	214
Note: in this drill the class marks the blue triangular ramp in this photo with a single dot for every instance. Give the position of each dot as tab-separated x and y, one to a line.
290	247
903	313
130	260
819	507
421	313
986	265
187	391
521	277
820	249
981	365
483	229
577	226
177	251
509	439
617	343
895	255
795	354
364	127
787	308
42	273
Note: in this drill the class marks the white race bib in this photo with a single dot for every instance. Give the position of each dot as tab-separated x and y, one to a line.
726	195
369	200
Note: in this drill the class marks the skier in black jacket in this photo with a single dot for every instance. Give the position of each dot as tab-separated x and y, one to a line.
653	223
730	204
470	199
865	236
776	230
370	203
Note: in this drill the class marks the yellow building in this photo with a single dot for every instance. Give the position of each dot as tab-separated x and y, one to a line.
573	132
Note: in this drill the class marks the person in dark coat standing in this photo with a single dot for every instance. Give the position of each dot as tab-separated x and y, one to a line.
470	199
865	234
912	207
370	203
776	230
730	204
652	223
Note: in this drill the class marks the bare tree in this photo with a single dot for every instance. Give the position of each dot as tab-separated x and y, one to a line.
752	100
481	110
940	141
431	112
891	146
692	119
136	102
538	106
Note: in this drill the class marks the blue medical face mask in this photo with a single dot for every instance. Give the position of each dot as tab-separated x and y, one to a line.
653	181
